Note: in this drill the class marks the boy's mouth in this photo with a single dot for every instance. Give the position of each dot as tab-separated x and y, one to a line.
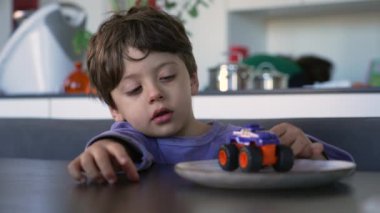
162	116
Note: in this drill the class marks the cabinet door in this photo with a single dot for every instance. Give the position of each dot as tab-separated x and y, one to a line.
237	5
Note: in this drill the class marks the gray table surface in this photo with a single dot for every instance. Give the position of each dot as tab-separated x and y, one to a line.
44	186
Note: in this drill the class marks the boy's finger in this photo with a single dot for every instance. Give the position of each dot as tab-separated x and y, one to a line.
89	167
75	170
119	152
317	150
124	161
103	162
279	129
300	148
130	170
292	135
307	152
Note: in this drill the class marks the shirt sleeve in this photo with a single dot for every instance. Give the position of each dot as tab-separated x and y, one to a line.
132	140
332	152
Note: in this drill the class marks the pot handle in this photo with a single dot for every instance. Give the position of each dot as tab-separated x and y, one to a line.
265	67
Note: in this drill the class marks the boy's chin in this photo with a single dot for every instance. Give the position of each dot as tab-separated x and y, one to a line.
162	131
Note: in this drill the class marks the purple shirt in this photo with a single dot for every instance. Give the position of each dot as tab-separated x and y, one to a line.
171	150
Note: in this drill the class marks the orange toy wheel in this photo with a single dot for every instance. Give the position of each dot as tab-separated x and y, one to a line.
227	157
250	159
222	155
243	160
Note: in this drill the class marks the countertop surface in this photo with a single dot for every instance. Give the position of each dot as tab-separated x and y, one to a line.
217	93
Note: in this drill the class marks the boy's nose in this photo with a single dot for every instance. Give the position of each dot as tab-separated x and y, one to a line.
155	94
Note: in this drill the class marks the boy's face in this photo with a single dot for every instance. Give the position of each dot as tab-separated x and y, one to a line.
154	95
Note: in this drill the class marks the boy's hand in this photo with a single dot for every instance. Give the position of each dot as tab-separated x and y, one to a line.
296	139
99	162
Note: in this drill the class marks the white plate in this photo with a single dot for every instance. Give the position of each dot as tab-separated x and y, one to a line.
305	173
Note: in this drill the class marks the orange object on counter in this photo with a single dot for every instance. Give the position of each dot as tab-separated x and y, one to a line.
78	81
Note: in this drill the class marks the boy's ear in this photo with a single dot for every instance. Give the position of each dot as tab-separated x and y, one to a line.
116	115
194	83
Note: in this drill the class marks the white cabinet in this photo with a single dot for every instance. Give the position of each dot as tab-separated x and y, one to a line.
346	32
243	106
78	108
53	107
307	105
24	108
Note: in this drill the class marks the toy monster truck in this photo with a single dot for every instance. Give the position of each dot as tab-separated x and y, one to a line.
252	148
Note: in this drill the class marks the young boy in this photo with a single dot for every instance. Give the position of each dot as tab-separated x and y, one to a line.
142	66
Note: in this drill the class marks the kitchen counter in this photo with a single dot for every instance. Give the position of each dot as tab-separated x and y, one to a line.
216	93
294	103
296	91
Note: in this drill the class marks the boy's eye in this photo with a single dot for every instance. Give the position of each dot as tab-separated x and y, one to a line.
135	91
167	78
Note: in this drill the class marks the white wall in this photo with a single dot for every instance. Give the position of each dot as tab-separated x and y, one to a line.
5	21
208	31
209	38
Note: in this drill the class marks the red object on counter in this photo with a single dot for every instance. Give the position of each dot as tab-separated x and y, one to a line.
237	53
78	81
25	5
150	3
22	9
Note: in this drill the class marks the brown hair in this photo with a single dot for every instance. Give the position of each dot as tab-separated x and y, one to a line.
144	28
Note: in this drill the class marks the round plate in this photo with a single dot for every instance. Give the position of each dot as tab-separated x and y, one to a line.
305	173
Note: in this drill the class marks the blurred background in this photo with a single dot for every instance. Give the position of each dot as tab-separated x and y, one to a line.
238	44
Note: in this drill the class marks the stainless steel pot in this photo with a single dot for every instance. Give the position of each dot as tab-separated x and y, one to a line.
229	77
266	77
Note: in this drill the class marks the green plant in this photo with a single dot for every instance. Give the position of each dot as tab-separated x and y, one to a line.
80	41
179	8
